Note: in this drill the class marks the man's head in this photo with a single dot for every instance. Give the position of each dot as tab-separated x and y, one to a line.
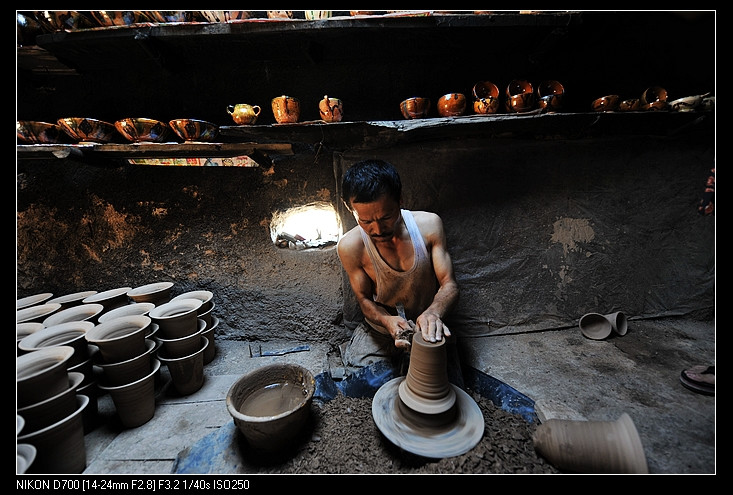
368	180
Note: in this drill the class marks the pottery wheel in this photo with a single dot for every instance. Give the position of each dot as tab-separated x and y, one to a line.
413	432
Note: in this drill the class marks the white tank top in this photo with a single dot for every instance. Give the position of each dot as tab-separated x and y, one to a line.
415	287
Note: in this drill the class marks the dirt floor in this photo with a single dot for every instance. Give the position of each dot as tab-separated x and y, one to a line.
342	438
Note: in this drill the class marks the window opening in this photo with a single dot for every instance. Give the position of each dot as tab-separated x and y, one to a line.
314	225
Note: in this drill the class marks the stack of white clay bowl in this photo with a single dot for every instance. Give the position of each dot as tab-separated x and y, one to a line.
127	364
25	452
182	343
206	313
51	409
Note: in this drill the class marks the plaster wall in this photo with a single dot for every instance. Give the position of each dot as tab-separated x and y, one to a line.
540	231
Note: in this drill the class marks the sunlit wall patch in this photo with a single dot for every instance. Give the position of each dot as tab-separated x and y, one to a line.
314	225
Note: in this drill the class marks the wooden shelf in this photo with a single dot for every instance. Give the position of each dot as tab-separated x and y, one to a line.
262	140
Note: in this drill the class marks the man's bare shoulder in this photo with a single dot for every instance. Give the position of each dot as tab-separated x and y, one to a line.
350	243
428	221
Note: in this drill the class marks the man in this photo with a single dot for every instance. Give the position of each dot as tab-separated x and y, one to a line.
392	257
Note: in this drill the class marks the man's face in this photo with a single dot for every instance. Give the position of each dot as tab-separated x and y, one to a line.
379	219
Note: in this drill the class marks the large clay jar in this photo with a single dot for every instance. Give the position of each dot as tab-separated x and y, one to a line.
135	401
187	372
60	447
592	447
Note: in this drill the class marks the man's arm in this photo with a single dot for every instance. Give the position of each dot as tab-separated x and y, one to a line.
430	322
350	249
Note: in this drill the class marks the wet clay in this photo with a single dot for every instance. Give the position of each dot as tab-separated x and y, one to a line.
426	388
273	400
423	412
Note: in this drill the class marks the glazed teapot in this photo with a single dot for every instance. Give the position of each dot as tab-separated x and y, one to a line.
243	113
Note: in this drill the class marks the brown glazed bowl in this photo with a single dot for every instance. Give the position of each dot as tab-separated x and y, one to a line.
452	105
608	103
630	105
35	132
415	108
65	20
192	130
108	18
550	95
519	96
86	130
143	130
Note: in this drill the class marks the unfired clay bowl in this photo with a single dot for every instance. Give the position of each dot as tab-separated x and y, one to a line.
271	430
36	313
121	338
205	296
48	411
71	333
177	318
33	300
42	374
157	293
82	312
127	310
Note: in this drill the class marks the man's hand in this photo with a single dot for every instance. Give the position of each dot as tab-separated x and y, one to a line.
432	327
402	331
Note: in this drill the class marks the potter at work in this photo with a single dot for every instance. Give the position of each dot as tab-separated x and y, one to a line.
393	257
581	243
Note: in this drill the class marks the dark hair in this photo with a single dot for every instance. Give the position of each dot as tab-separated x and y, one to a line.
368	180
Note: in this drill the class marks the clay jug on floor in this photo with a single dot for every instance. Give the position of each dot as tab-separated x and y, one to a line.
618	321
592	447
